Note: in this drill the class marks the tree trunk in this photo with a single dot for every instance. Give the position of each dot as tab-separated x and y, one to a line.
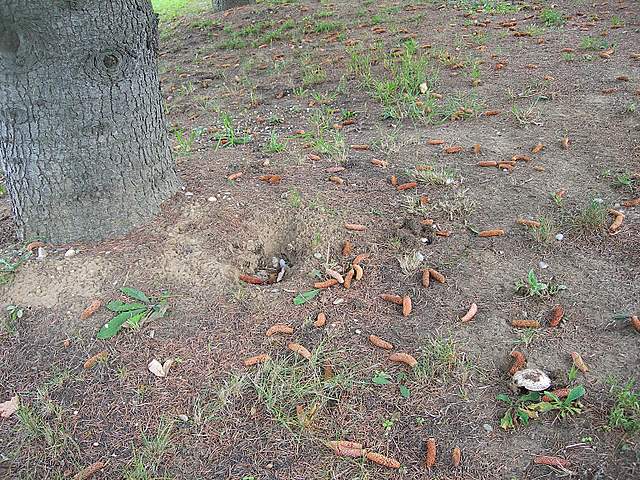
82	132
219	5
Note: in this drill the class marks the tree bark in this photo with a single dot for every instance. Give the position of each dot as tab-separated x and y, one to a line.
83	138
219	5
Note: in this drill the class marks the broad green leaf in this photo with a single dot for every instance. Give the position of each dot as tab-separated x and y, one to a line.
119	306
575	394
530	397
113	326
159	311
381	378
135	294
304	297
506	422
523	416
503	398
134	322
552	396
404	391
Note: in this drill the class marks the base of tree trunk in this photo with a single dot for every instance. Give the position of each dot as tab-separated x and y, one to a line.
83	139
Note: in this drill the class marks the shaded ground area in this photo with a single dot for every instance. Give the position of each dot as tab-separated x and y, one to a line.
336	102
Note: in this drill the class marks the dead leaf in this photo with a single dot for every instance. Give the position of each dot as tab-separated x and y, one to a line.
9	407
158	369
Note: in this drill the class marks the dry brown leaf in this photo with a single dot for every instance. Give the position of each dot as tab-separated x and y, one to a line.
579	362
9	407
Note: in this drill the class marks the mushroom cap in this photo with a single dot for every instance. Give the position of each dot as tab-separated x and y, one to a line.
532	379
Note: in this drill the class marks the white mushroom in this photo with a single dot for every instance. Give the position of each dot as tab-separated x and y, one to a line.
532	379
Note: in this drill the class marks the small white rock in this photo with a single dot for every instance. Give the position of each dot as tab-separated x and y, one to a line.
424	240
41	253
95	444
212	199
358	331
419	257
543	264
317	255
188	194
183	417
488	428
559	237
70	253
338	301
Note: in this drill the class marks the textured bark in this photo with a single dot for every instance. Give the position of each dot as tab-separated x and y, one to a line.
219	5
82	132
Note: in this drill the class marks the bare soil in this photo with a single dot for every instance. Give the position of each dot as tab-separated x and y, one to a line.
214	418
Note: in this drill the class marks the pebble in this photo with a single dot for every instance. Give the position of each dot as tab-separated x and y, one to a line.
488	428
41	253
317	255
424	240
70	253
543	265
212	199
358	331
183	417
338	301
559	237
419	257
188	194
95	444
